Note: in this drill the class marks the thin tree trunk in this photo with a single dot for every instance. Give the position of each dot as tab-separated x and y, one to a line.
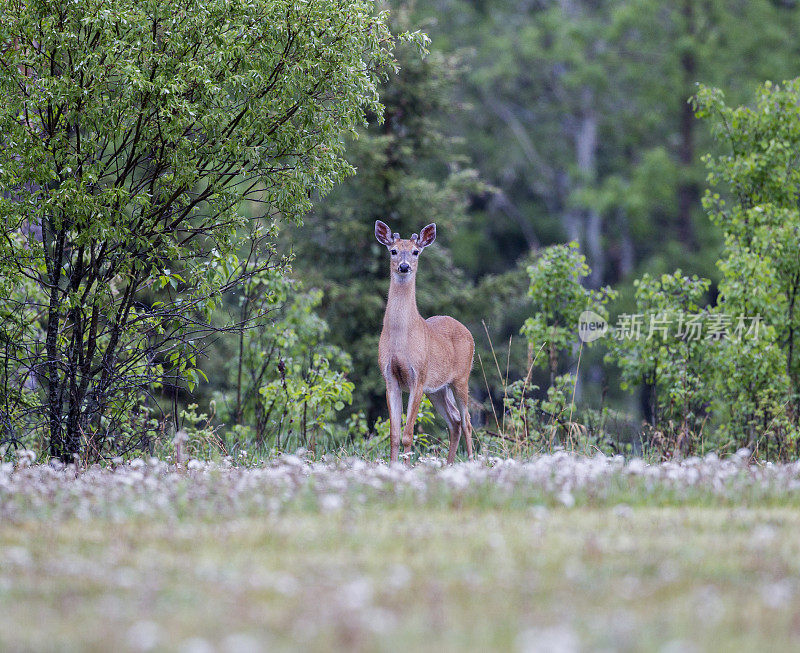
688	191
626	248
239	407
586	160
54	253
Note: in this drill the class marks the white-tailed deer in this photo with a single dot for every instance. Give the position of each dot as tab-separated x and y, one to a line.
432	357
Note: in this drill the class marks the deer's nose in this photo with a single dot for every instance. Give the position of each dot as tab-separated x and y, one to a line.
404	267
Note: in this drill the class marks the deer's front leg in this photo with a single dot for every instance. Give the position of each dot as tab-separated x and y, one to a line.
414	399
394	399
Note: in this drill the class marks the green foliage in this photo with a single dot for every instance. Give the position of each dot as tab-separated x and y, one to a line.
199	437
758	210
20	330
737	373
580	118
131	134
148	154
306	398
559	298
287	382
662	348
534	424
536	420
541	423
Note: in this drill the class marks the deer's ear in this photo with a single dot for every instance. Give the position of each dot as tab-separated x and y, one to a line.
427	235
383	233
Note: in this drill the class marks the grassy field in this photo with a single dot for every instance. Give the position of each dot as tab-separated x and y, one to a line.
561	554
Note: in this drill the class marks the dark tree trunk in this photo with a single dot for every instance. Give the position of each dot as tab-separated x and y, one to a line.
647	401
63	444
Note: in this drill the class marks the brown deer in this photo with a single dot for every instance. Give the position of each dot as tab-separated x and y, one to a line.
432	357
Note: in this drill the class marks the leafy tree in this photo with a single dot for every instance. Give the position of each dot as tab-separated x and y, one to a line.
131	133
662	347
755	200
558	298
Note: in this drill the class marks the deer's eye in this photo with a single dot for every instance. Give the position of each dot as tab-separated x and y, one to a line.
415	252
393	252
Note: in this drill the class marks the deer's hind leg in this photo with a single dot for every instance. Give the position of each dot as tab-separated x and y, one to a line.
444	403
462	397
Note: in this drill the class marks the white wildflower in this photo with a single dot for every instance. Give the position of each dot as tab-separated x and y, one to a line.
556	639
566	498
539	513
196	645
398	577
241	643
679	646
17	556
331	502
356	594
778	594
144	636
25	458
763	535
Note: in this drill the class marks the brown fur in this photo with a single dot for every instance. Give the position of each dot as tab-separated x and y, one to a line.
432	356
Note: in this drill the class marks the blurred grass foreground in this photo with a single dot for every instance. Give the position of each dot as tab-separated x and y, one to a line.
558	553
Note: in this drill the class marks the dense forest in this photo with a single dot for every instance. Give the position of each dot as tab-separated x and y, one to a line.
187	200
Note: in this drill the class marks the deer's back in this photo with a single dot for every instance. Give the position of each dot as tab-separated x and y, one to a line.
451	329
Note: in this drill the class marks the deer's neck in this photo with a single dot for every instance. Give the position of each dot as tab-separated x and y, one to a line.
401	308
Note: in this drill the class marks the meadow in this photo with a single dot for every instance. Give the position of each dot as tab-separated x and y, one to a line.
557	553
